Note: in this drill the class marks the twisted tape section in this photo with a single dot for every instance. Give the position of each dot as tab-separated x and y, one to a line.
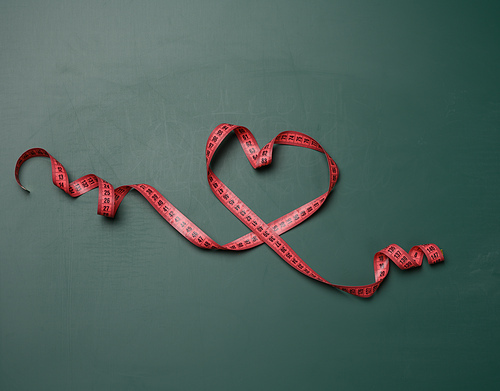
109	199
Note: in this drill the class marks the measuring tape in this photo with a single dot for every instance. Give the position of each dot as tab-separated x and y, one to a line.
260	232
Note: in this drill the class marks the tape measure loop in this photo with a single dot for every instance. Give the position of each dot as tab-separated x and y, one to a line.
109	199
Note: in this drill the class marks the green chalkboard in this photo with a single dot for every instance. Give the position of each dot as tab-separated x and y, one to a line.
405	96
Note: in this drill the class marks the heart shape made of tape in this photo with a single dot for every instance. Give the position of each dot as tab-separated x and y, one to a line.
109	199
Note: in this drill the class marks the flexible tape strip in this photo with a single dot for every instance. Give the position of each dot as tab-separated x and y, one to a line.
109	200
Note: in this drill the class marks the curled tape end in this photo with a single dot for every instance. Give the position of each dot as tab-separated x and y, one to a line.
22	187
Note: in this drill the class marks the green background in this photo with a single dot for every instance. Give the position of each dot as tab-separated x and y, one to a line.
405	97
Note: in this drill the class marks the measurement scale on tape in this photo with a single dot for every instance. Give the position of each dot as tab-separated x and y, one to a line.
260	232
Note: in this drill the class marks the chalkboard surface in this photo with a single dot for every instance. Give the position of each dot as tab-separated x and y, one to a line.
405	96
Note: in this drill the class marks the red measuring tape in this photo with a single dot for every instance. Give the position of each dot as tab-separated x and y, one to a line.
261	232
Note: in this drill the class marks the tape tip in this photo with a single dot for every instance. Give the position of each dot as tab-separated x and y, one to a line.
22	187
